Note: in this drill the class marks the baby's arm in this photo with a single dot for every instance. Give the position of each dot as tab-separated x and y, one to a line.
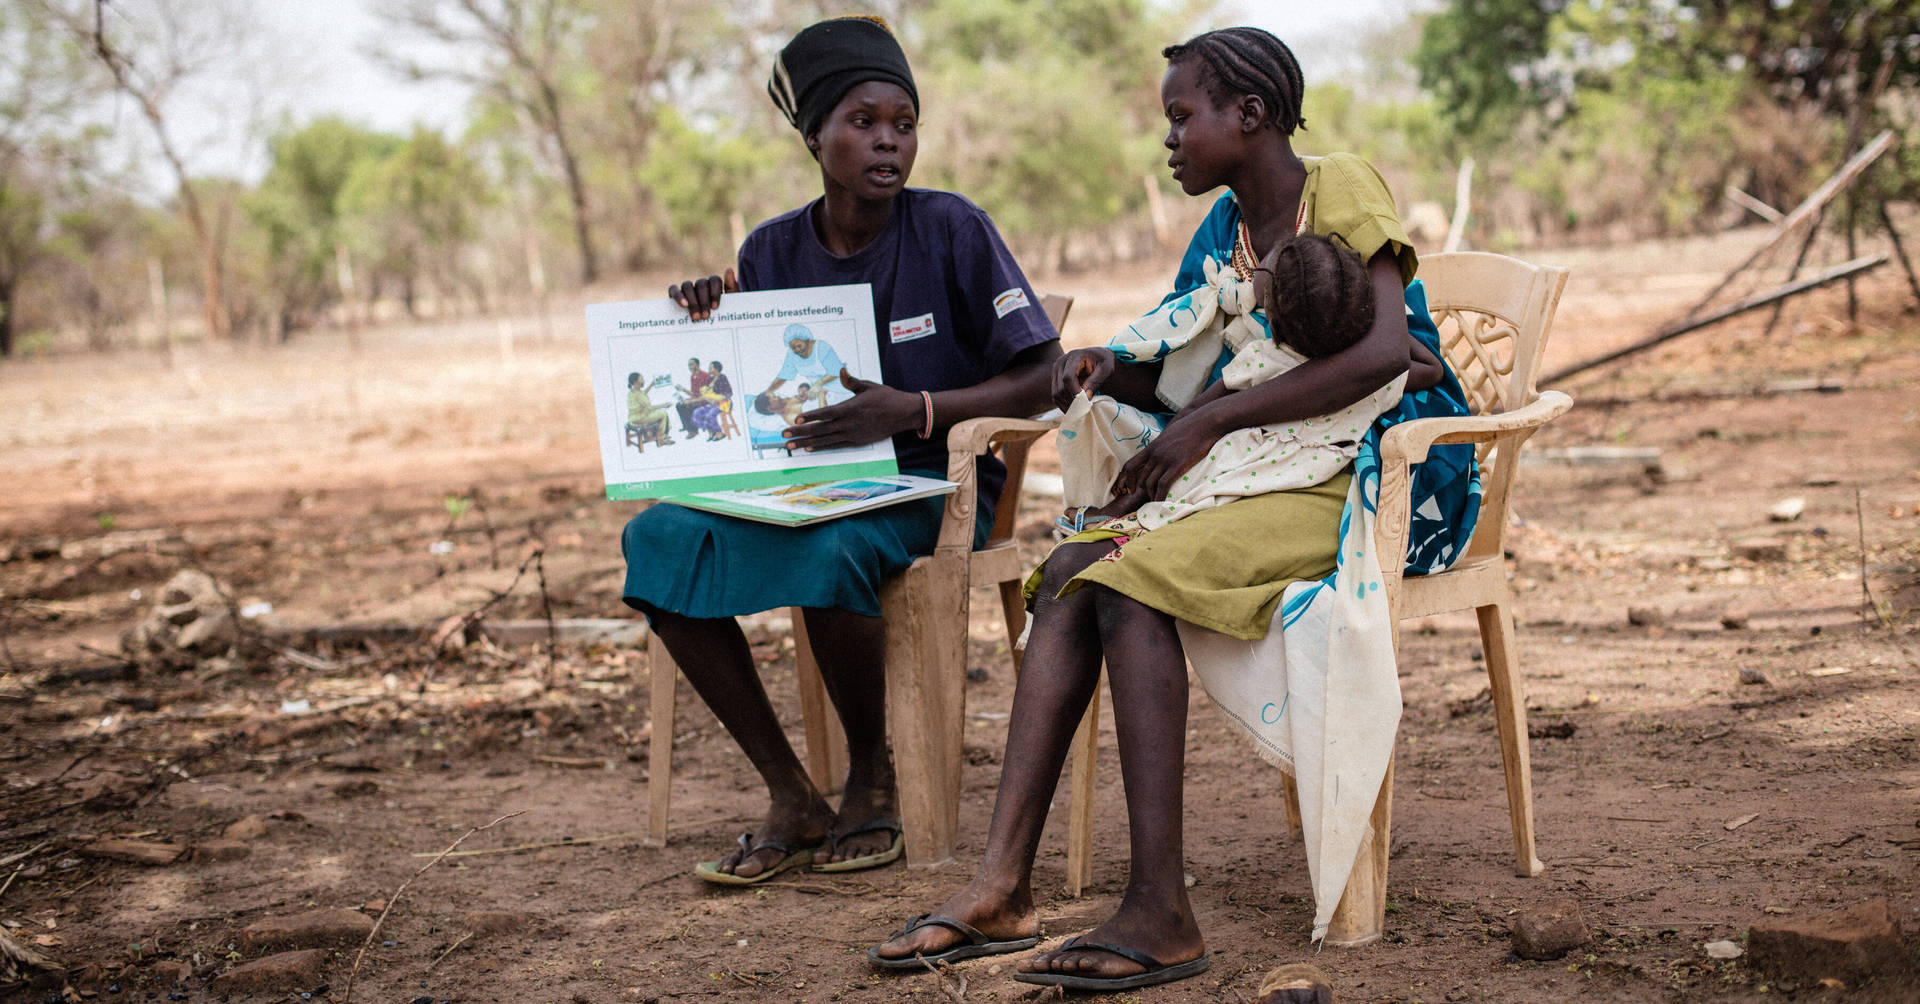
1423	368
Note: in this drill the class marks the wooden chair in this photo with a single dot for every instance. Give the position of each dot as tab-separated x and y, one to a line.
1494	313
926	610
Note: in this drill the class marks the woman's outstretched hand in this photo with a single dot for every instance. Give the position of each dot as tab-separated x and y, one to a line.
875	412
701	296
1082	370
1154	471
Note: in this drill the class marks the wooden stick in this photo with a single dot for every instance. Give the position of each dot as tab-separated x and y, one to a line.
1856	120
535	846
944	973
347	996
1805	210
1900	252
1794	272
1673	331
1753	205
1462	199
463	940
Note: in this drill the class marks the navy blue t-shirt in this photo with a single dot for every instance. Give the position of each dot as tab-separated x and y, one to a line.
951	306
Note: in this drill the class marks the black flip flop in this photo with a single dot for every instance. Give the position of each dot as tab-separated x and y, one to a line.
974	947
1157	972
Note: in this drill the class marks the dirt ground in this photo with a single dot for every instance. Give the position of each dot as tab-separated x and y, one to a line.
410	481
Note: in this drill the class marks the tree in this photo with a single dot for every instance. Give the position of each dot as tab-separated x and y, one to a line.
44	77
1085	75
413	211
526	50
298	207
152	55
1498	57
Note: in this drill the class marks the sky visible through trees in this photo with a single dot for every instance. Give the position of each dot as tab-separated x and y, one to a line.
362	158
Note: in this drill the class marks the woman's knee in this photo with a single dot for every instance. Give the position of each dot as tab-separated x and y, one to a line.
1129	622
1064	563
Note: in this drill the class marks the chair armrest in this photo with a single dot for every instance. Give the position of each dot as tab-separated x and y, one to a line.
1409	442
978	435
966	441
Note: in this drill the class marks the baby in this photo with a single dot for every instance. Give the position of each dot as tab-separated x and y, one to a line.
1318	300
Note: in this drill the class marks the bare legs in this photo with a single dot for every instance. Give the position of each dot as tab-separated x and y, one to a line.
1148	674
851	650
714	655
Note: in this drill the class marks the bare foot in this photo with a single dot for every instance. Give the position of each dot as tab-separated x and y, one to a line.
1002	916
797	829
860	806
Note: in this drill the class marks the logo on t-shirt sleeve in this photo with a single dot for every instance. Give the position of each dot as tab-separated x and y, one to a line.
1009	301
911	328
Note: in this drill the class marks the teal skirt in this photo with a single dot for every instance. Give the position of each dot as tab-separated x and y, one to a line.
702	564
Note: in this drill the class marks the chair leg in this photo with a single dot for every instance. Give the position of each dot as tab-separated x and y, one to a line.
1510	711
1290	793
926	611
660	741
826	738
1013	607
1362	912
1086	747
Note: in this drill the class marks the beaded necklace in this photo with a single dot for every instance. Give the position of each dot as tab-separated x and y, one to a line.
1242	257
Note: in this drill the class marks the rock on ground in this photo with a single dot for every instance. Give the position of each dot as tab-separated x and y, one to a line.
193	620
1297	983
1549	930
246	828
1860	941
220	850
314	929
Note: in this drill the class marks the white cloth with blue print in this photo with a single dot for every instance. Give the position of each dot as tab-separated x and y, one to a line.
1188	334
1320	694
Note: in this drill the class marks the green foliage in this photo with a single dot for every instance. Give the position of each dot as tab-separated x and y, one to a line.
1046	112
44	154
410	214
1640	112
1474	57
298	208
702	176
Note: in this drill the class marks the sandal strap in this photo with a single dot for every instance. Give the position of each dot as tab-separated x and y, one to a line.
748	848
888	823
960	927
1079	943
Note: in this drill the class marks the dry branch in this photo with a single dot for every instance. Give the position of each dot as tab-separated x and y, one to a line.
14	956
1672	331
346	996
1805	211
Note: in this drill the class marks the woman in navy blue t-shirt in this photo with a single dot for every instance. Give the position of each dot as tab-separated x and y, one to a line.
962	336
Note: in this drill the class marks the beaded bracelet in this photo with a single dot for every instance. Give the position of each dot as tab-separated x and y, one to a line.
927	432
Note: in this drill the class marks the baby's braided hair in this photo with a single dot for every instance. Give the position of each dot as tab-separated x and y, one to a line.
1321	298
1235	61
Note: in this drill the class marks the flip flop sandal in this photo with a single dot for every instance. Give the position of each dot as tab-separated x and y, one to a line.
790	857
866	861
974	947
1157	972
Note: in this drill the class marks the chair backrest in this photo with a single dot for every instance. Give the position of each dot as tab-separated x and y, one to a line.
1014	454
1493	313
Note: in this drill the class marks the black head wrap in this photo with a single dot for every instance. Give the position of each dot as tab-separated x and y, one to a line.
827	60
